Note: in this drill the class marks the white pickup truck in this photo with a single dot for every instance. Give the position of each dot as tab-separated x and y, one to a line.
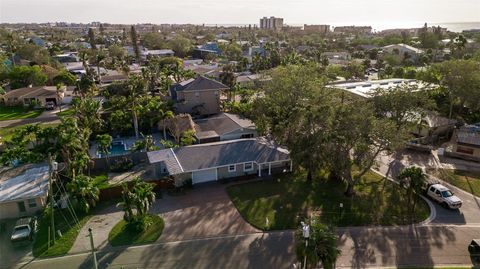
444	196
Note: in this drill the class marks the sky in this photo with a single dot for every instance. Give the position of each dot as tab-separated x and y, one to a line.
379	13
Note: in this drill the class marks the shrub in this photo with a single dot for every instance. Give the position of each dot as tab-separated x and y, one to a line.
122	165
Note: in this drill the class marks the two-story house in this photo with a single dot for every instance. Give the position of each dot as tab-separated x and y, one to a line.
198	96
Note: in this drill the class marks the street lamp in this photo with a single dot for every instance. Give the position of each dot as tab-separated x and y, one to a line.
306	235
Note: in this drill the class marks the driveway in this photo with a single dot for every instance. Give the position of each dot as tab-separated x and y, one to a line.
206	211
469	213
10	254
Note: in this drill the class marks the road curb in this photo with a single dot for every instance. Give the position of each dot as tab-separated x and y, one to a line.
433	211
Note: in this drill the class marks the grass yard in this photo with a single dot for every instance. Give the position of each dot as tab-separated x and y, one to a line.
7	133
66	113
69	234
18	112
465	180
101	181
123	234
288	199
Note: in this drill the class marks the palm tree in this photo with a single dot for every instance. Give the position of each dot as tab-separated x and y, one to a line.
104	141
135	90
88	113
321	247
165	115
84	190
413	180
137	195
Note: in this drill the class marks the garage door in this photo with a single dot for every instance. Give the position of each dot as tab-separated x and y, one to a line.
204	176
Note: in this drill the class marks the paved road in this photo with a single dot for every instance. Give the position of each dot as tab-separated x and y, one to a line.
361	248
442	242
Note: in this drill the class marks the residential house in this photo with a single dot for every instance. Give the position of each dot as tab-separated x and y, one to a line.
337	57
404	51
465	143
23	191
28	95
206	50
224	126
198	96
221	160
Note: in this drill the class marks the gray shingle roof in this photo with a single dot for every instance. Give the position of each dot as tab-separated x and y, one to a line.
200	83
211	155
222	124
168	157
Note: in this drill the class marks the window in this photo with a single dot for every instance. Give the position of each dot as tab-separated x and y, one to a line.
247	166
197	94
247	136
32	203
232	168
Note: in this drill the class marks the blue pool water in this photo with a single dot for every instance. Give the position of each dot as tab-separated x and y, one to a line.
115	150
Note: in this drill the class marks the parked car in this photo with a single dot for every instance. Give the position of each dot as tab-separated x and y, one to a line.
24	230
49	105
443	196
474	249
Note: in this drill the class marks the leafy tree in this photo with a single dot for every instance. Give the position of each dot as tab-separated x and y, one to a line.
188	138
65	78
322	245
23	76
181	46
401	104
33	53
413	180
154	41
85	192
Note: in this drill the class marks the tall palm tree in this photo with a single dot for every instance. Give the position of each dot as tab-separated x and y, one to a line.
88	113
135	91
84	190
164	116
413	180
104	141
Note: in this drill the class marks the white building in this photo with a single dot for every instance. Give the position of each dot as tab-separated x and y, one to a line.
366	88
23	191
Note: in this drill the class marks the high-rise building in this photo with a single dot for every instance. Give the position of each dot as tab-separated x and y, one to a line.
271	23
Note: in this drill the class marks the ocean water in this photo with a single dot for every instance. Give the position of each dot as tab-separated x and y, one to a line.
379	26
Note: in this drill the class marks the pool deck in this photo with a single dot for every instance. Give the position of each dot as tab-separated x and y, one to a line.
128	141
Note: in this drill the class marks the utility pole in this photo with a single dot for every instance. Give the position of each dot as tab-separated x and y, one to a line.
52	216
95	265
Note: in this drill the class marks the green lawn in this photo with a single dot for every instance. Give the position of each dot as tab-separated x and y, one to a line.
465	180
18	112
69	231
101	181
123	234
288	199
66	113
6	133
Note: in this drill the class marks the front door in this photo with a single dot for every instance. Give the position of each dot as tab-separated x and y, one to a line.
21	207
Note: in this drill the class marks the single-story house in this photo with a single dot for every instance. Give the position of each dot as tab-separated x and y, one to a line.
224	126
403	50
23	191
25	96
465	143
221	160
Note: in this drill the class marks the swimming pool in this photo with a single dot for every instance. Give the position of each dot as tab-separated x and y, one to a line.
116	148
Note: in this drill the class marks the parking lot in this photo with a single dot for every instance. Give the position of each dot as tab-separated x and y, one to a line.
10	254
